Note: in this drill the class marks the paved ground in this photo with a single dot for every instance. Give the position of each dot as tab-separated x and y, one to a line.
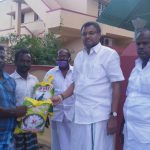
44	139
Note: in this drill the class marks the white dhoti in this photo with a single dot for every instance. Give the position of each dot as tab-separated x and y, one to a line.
91	137
131	144
137	123
60	134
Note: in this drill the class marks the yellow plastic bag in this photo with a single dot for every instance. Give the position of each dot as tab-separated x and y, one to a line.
35	118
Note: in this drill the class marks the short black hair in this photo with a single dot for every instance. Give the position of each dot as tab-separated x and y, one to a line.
91	23
21	51
2	48
69	54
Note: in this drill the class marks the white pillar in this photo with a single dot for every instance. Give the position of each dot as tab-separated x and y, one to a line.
18	18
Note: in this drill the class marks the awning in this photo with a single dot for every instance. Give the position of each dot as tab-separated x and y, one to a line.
120	13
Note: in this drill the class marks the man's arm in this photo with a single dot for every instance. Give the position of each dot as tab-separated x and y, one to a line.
116	93
13	112
57	99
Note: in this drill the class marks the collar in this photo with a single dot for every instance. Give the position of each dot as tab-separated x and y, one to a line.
138	62
70	68
94	49
17	76
6	75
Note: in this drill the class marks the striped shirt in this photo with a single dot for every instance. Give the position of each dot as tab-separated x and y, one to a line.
7	100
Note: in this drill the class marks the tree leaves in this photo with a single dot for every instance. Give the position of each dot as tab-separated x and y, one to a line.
43	50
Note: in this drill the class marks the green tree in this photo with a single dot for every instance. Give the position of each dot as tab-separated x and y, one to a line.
43	50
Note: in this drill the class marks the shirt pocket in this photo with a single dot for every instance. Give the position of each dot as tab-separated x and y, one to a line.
145	85
96	71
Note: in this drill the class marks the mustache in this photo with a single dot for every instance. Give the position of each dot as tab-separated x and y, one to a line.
140	50
25	67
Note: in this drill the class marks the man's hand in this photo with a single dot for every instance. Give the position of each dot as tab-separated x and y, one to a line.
13	112
112	125
20	111
56	99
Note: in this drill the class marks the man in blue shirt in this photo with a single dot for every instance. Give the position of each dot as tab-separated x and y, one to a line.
8	109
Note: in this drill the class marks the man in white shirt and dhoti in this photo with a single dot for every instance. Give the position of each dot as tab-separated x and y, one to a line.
96	88
61	121
137	104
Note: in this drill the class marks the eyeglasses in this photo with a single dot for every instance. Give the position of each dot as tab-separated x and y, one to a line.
88	33
62	58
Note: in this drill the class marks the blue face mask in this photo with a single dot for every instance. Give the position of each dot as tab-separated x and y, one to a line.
62	63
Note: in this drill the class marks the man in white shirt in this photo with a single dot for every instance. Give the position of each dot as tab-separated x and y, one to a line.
24	88
137	104
63	112
96	88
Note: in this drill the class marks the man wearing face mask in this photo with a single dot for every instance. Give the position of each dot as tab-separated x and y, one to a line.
63	113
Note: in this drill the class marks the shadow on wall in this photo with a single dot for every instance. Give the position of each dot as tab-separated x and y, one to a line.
38	70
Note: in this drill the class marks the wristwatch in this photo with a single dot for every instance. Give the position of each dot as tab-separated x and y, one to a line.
114	114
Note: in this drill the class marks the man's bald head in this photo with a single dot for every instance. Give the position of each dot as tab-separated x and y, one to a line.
143	44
